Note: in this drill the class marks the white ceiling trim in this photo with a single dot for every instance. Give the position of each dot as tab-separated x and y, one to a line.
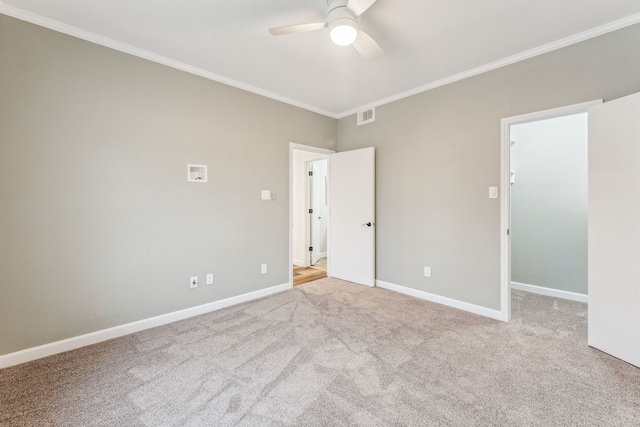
144	54
141	53
576	38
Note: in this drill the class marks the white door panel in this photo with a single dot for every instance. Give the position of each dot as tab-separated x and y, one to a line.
316	238
352	211
614	228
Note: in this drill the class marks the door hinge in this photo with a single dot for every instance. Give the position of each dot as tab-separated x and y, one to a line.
310	173
310	211
310	248
507	232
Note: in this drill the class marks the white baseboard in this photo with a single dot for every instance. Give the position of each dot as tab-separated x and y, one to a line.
73	343
461	305
540	290
322	254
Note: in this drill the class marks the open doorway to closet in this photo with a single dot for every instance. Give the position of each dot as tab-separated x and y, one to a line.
549	206
310	216
544	187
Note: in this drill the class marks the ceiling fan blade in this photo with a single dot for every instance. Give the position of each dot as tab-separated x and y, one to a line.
299	28
367	47
359	6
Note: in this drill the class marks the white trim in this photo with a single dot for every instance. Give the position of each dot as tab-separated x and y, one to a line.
505	190
298	262
559	44
141	53
505	220
556	293
307	219
311	149
450	302
567	110
73	343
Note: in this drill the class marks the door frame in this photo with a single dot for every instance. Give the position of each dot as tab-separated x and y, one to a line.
310	195
309	149
505	190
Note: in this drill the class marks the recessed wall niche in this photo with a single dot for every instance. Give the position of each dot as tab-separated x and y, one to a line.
196	173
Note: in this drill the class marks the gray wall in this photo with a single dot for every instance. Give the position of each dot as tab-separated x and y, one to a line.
549	203
98	226
438	152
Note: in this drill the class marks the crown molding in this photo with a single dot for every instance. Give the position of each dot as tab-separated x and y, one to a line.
559	44
150	56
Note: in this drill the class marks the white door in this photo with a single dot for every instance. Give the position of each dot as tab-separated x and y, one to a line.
314	212
614	228
352	216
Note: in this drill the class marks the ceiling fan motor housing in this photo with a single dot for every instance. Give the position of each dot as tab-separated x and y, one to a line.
338	10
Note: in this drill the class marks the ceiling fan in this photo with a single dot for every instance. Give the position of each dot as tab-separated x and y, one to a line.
343	20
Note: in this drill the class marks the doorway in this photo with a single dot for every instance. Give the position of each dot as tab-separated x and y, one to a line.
312	232
350	191
309	213
544	204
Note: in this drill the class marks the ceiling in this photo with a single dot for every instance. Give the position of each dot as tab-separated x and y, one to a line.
427	42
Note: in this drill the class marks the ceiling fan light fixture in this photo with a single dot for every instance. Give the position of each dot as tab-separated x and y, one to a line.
343	31
343	21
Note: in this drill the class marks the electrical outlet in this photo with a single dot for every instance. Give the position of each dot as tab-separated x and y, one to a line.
263	269
427	272
193	283
210	279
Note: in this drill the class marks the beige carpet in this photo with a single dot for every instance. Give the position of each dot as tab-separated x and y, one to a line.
333	353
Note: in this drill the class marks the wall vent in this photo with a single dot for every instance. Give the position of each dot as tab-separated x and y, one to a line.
366	116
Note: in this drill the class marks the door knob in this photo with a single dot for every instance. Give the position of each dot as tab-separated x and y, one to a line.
368	224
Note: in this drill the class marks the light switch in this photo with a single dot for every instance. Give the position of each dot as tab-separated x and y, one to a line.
266	194
493	192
